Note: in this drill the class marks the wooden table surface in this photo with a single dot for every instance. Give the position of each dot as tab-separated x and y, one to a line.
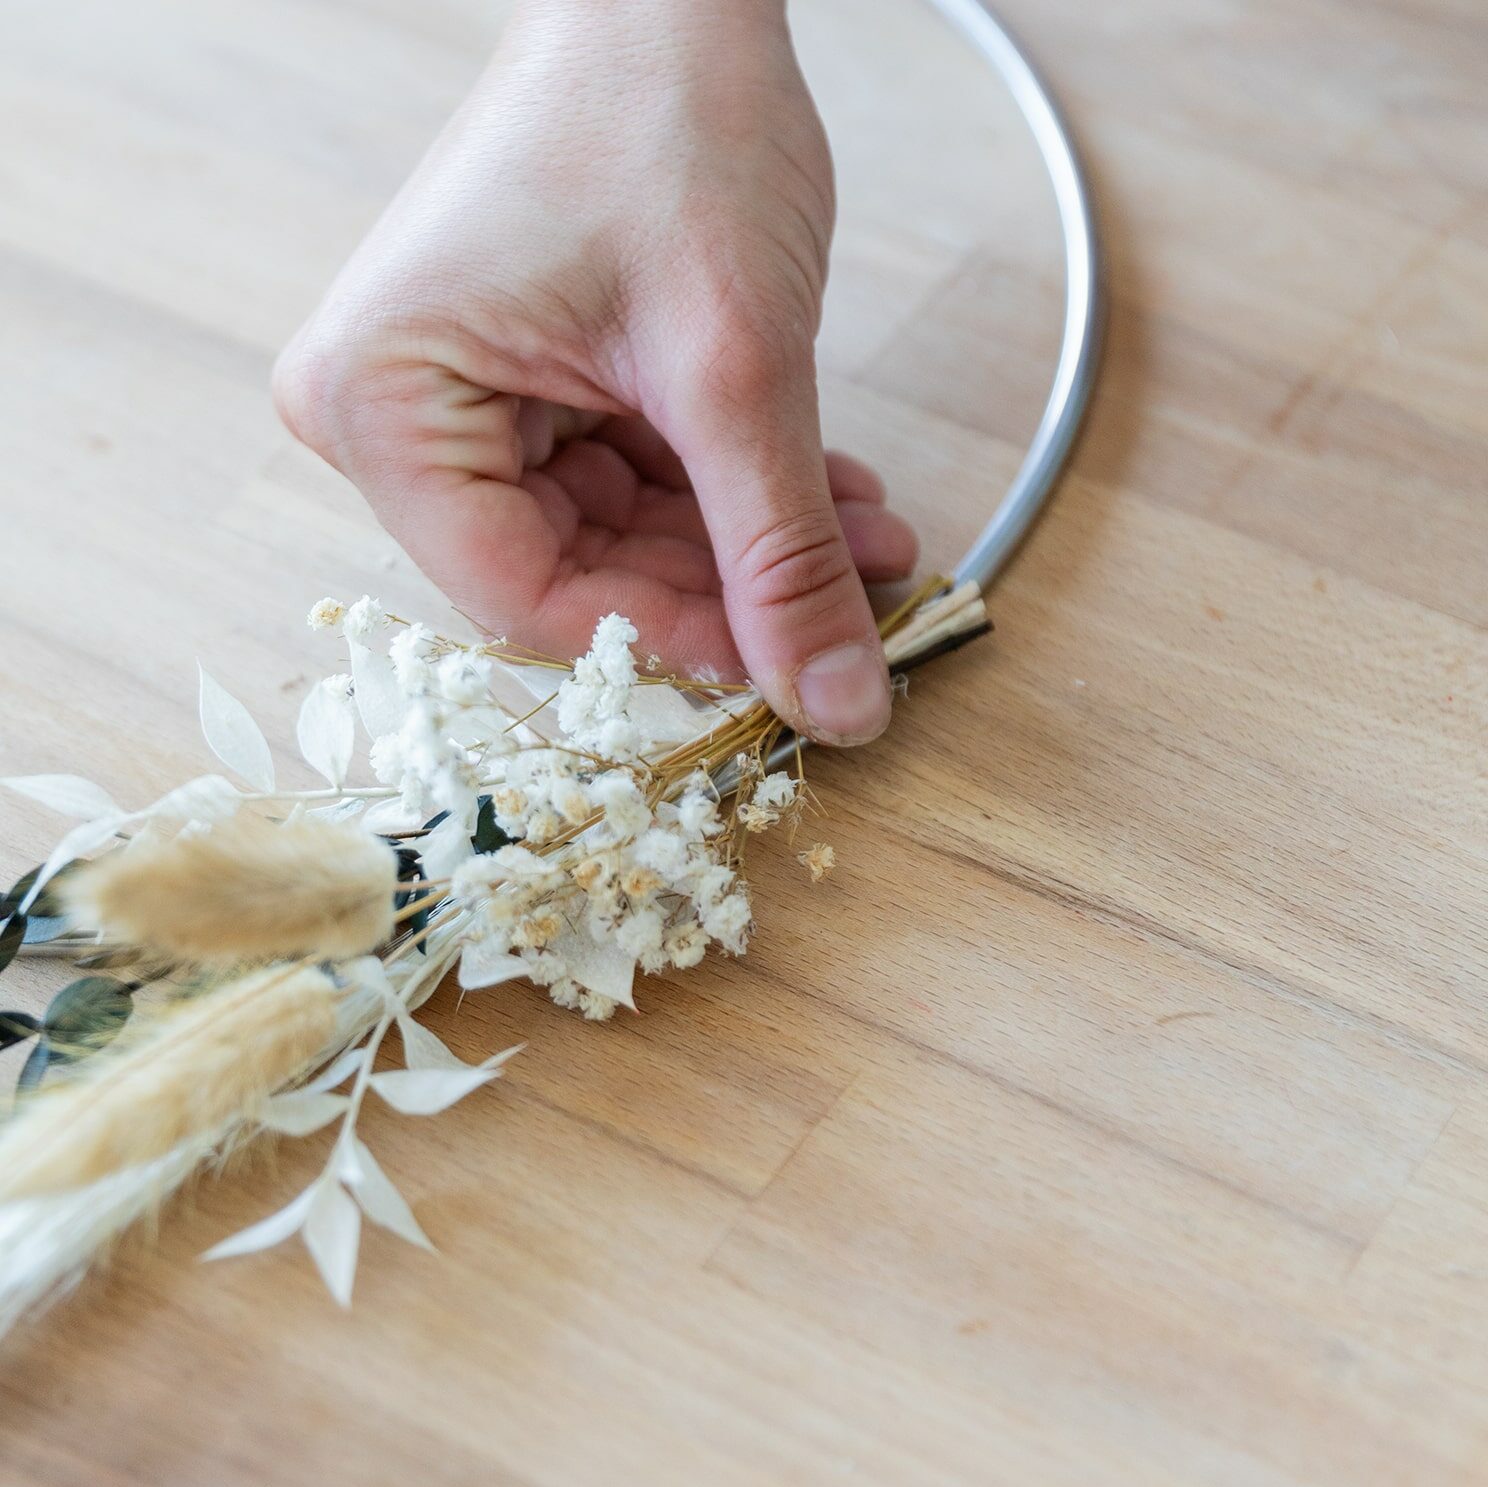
1118	1113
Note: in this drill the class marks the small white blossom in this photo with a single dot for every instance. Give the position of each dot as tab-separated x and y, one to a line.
625	810
464	679
409	654
325	614
363	620
663	851
640	933
775	791
818	860
386	758
338	686
727	921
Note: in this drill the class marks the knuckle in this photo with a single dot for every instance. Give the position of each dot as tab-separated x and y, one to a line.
309	385
750	359
798	561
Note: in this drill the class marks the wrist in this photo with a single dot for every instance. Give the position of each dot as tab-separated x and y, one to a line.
659	18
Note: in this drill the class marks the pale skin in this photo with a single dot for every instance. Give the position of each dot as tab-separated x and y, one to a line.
572	367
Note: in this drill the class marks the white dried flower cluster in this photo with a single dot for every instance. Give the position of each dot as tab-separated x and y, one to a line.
606	871
593	704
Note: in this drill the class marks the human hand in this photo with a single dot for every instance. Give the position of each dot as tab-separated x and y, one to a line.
572	366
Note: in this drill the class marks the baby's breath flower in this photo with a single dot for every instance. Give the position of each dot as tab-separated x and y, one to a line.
565	993
818	860
338	686
775	791
596	1008
363	620
625	810
464	679
409	654
664	852
727	921
386	758
325	614
641	932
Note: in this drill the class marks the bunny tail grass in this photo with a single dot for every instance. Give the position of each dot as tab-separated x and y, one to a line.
83	1161
187	1073
247	889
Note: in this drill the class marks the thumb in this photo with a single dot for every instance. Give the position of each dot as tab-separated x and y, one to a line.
749	434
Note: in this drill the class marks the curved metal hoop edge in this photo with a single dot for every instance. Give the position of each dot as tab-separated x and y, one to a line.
1084	309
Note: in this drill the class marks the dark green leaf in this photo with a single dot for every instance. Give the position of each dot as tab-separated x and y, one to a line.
488	835
12	937
47	905
16	1027
35	1067
87	1014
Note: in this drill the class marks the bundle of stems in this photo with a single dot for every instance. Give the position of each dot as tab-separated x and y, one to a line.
298	960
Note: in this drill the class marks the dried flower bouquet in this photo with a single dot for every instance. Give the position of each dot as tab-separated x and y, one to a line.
248	950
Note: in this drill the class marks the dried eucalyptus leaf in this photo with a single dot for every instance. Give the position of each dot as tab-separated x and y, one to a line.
86	1015
12	937
16	1027
33	1071
41	931
489	837
46	904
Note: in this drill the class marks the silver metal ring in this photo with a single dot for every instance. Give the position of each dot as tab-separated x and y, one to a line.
1084	308
1079	351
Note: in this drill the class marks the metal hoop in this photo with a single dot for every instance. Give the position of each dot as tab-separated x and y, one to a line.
1079	352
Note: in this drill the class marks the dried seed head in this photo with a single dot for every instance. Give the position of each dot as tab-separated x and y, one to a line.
244	890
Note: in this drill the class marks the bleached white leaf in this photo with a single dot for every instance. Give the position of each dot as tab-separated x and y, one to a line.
77	843
482	964
380	701
67	794
302	1111
270	1231
207	799
664	714
338	1071
392	815
332	1233
326	732
424	1050
341	810
368	972
233	736
428	1091
603	968
445	848
380	1200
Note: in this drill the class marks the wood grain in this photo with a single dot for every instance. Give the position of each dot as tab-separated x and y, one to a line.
1118	1113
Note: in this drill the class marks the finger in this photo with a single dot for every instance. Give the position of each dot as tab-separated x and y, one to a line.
852	480
747	430
884	546
652	458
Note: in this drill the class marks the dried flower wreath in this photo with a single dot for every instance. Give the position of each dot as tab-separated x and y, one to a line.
248	950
